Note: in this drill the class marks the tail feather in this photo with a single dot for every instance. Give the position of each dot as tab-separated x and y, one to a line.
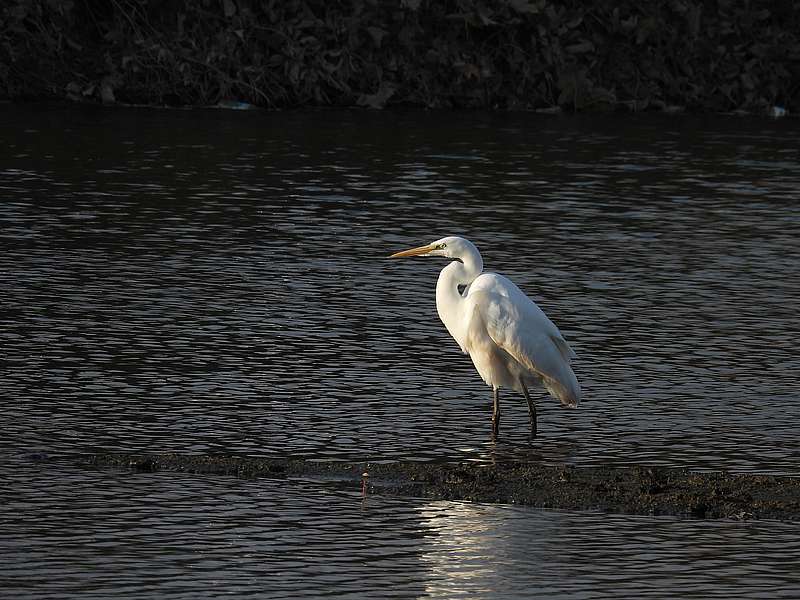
568	392
566	388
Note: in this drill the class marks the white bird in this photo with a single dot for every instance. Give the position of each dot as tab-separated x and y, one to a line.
511	341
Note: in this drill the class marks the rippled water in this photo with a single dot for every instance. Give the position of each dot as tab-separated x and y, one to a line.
202	281
148	536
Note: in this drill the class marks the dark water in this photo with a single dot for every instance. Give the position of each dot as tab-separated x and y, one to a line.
153	536
203	281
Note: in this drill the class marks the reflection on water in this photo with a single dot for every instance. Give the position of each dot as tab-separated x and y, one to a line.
146	536
210	282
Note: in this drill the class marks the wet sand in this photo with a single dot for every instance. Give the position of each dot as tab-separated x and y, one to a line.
635	490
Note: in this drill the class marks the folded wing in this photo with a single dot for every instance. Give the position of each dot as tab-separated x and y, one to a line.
519	328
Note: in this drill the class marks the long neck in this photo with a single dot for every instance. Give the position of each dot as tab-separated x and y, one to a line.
448	301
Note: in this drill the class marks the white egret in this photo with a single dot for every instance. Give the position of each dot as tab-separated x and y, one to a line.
511	341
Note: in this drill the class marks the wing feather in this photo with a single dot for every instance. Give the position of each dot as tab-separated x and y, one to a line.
520	328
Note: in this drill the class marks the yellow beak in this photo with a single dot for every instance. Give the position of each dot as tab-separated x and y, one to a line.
413	251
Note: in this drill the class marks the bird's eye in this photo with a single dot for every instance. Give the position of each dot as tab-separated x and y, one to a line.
441	246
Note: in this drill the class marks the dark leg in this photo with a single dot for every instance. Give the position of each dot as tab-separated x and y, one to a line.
531	408
496	413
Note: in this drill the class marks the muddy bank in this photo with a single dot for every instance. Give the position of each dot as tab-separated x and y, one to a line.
636	490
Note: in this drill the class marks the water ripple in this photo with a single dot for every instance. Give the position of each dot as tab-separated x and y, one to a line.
230	292
146	535
210	282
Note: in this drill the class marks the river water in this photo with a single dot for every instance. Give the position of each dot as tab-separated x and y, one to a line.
215	282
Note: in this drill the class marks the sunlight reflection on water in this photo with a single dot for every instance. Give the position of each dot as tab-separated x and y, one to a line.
143	535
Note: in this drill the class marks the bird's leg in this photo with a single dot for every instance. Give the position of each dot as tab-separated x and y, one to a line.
531	407
495	413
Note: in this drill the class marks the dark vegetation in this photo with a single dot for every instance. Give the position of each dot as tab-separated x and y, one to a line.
516	54
636	490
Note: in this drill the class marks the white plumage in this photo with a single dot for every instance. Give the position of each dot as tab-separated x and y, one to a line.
511	341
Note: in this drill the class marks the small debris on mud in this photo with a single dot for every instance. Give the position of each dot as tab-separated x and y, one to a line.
634	490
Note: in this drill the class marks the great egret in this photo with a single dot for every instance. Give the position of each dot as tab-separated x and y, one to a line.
510	340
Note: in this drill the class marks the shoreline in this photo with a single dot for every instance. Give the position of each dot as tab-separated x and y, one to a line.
638	490
771	113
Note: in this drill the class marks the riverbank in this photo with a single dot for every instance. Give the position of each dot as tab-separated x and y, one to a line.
521	54
636	490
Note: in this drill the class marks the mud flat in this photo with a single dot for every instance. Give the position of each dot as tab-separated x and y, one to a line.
634	490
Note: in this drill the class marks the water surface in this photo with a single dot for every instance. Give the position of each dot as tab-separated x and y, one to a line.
204	281
151	535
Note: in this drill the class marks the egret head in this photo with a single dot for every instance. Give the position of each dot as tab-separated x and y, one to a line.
448	247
